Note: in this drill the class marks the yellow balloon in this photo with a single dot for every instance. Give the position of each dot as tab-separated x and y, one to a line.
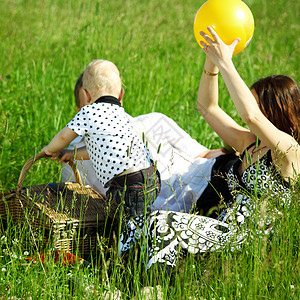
230	19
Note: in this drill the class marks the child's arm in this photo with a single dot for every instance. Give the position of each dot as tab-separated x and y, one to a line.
61	140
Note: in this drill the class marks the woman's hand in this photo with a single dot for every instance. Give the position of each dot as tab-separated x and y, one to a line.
65	155
210	153
215	49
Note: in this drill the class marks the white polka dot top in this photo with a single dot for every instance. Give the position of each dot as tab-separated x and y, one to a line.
112	143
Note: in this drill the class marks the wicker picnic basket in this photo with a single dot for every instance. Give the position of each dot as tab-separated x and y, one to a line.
70	215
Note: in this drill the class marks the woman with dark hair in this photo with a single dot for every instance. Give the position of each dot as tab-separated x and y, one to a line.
267	168
279	102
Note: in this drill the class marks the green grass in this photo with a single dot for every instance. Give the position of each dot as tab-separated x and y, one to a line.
44	45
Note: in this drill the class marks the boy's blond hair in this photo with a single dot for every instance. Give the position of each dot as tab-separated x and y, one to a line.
101	77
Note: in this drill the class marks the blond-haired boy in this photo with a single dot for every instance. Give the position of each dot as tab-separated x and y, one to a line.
120	159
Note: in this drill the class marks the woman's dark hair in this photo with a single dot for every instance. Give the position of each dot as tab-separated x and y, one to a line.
279	101
78	85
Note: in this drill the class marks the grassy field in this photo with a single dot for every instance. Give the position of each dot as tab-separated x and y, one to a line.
45	45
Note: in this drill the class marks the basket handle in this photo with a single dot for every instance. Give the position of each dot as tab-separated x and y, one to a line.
31	161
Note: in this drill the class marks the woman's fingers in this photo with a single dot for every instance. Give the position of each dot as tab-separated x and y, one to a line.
206	37
218	39
66	155
235	42
215	40
64	159
204	45
213	34
216	44
55	155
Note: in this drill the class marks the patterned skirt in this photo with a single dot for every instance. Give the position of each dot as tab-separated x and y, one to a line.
164	235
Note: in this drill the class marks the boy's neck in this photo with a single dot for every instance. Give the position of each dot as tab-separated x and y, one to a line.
108	99
118	96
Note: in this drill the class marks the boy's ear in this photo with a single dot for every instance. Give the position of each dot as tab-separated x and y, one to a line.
121	96
88	97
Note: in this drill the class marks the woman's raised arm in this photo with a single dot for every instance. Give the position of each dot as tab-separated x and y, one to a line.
283	144
207	104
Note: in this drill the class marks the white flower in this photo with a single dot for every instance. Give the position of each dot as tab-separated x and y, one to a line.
3	269
87	288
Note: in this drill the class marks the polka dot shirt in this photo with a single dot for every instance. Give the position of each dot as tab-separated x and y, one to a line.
112	144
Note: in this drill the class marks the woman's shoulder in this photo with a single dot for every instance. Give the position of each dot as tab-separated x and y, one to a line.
287	164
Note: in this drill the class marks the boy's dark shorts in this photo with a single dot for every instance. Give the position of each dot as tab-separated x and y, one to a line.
136	190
